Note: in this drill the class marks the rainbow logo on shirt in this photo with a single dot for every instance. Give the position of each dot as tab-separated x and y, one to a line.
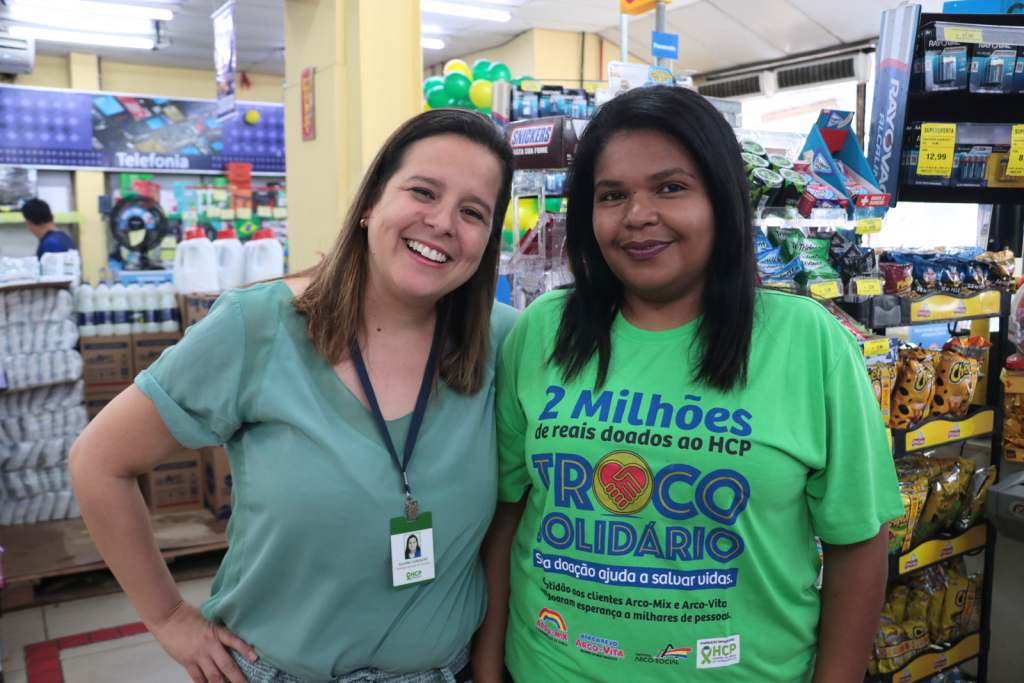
675	652
553	625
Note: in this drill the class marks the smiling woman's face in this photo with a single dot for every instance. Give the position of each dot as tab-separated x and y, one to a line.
412	544
652	216
428	231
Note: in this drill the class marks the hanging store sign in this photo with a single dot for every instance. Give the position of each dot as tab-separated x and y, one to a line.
665	45
224	58
54	128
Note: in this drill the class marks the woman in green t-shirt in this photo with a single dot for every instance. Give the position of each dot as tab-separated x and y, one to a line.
341	444
672	438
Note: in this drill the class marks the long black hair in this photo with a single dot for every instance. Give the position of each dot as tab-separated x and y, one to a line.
729	298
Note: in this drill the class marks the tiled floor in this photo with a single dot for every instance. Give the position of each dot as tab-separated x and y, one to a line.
131	659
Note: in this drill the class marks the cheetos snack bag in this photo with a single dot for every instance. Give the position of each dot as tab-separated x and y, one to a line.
957	585
914	492
956	377
912	395
882	378
941	495
974	498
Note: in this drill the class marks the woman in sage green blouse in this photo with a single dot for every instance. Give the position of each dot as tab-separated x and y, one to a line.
307	588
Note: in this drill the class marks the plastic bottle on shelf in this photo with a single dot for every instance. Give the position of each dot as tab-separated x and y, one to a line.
104	317
168	311
264	257
195	264
137	308
86	311
230	259
151	304
119	309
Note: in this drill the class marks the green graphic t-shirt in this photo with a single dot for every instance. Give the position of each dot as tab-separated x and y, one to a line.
669	529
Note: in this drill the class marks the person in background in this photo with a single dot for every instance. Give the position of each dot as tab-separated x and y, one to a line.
326	387
672	438
40	221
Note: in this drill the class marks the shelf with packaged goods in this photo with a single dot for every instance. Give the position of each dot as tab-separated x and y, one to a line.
55	284
938	550
874	312
933	661
939	431
58	218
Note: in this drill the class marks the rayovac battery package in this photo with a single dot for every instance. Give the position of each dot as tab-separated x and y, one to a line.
940	64
992	68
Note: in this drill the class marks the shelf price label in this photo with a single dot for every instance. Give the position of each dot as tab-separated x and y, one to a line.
869	226
1015	160
963	34
936	155
825	290
868	287
876	347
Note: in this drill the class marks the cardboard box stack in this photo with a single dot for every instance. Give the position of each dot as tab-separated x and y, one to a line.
175	485
41	411
217	481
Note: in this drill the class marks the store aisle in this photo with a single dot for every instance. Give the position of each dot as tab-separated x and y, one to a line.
98	640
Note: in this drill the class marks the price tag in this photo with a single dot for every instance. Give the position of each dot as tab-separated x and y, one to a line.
876	347
531	86
1015	159
868	287
936	155
825	290
227	214
280	212
220	195
869	226
264	211
243	214
213	212
962	34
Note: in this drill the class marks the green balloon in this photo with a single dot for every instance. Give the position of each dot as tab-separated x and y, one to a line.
438	97
431	83
480	68
457	85
466	103
499	72
524	77
518	82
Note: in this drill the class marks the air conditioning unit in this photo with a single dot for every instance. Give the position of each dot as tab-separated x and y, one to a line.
740	87
852	67
17	55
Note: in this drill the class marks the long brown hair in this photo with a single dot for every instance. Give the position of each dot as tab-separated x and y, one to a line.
333	302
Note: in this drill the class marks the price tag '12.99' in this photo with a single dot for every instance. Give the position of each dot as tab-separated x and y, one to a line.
937	146
1015	160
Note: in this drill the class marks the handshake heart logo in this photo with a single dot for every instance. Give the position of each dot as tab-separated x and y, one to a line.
623	482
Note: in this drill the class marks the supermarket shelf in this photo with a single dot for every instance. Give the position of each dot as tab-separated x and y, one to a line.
60	218
941	308
933	661
59	284
40	386
941	430
981	33
938	550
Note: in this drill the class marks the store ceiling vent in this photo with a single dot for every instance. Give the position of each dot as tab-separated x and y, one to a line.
854	67
17	55
740	87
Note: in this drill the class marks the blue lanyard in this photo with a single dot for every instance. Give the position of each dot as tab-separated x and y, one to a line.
411	507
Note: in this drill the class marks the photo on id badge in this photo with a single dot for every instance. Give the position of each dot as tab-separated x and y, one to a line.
412	551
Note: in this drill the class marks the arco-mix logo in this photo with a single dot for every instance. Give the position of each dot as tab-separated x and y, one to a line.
552	624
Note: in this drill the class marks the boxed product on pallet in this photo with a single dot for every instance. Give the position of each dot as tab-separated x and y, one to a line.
217	481
146	348
107	360
195	307
174	486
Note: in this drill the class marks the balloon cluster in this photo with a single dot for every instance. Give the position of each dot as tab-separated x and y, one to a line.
466	87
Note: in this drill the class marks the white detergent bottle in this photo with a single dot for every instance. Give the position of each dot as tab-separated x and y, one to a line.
168	311
151	304
119	309
264	257
86	311
230	260
137	309
104	318
195	264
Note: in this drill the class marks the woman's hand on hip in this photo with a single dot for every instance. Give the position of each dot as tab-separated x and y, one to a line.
201	646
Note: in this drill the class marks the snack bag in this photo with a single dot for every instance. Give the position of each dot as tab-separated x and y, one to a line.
974	499
941	495
963	485
898	277
956	378
897	600
953	603
1013	422
882	377
1001	268
970	620
932	581
914	389
914	492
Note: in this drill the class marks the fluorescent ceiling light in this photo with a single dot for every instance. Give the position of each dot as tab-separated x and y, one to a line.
101	39
79	21
109	8
432	43
431	28
457	10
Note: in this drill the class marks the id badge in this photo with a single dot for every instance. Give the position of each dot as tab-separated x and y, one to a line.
412	550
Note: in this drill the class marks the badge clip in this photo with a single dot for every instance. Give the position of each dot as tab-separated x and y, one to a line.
412	509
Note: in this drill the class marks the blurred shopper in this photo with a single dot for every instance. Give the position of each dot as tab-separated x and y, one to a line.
672	438
356	400
40	221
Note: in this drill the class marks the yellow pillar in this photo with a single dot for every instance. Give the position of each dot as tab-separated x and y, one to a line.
368	67
84	74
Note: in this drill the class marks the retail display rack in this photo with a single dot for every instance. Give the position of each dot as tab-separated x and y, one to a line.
897	105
